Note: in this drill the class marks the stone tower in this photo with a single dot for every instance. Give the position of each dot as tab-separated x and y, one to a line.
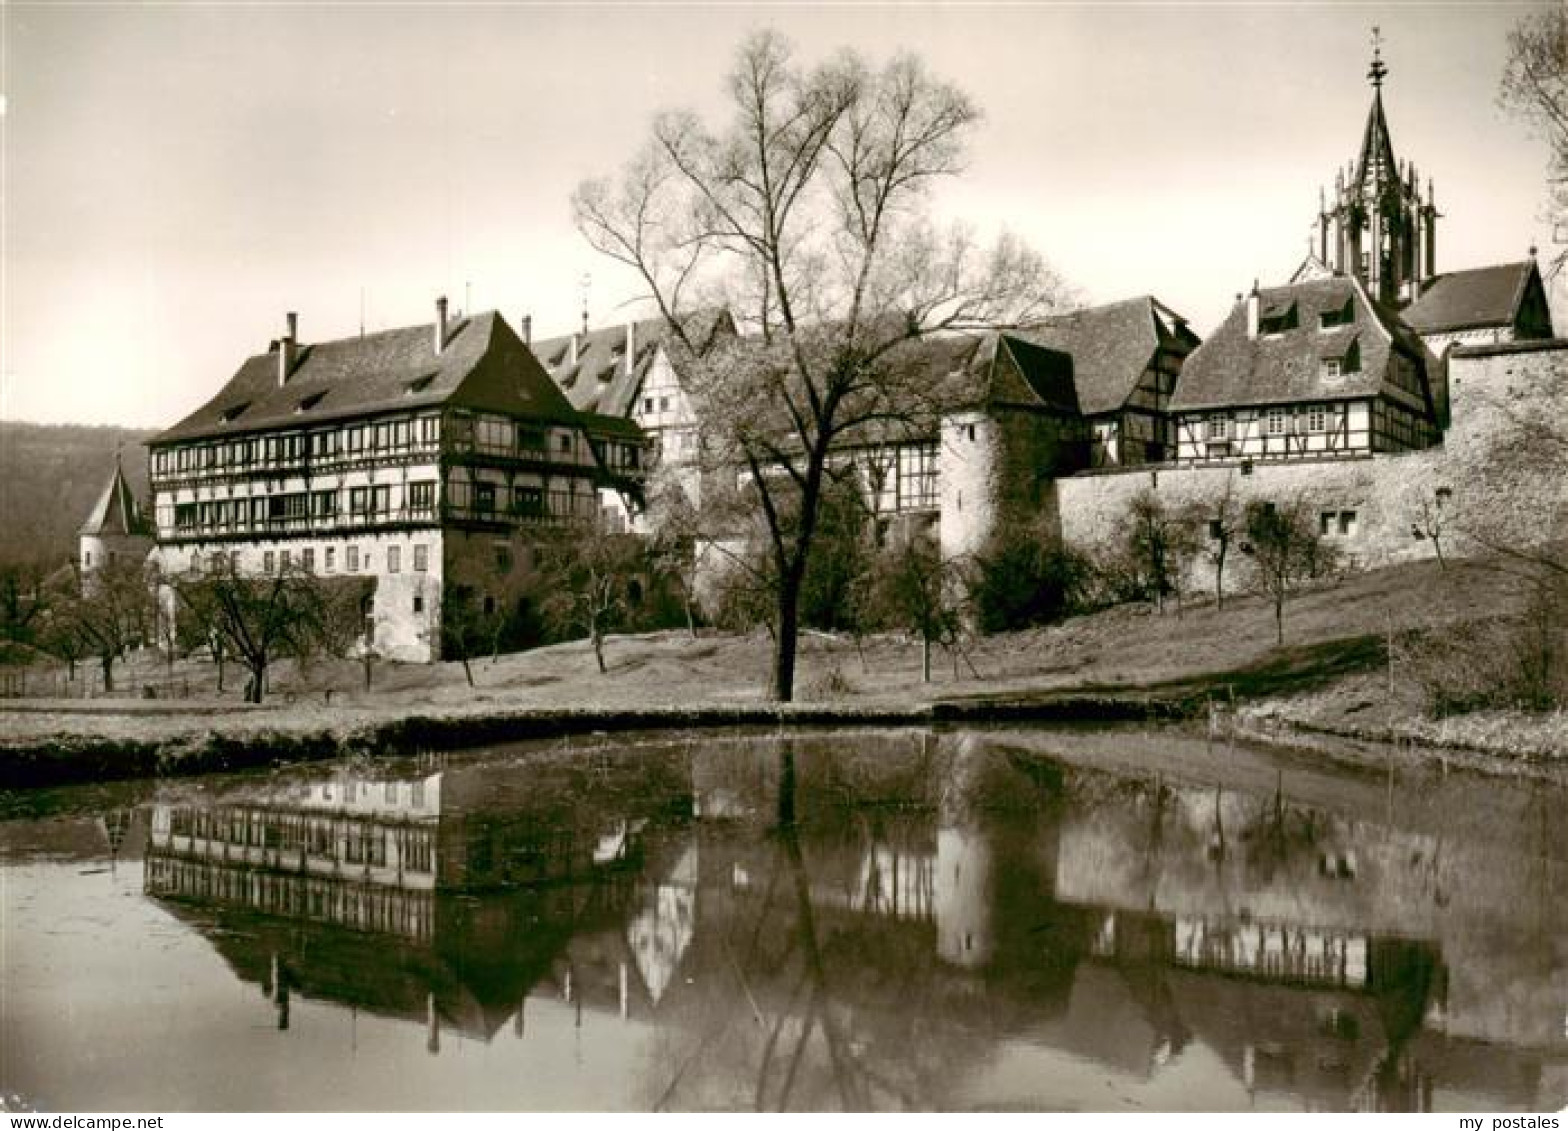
115	530
1379	227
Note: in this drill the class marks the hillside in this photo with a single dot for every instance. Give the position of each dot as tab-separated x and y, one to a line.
1332	673
50	476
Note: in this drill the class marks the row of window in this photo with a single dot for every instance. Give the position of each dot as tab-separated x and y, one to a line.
503	436
1278	421
386	437
497	500
305	560
300	508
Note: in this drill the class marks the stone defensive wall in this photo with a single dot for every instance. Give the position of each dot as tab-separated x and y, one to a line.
1499	477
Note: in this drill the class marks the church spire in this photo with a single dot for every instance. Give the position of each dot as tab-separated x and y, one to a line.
1377	148
1378	228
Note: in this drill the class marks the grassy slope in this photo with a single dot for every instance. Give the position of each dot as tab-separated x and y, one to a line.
1331	672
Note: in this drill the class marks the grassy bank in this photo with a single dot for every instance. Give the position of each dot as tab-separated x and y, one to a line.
1331	676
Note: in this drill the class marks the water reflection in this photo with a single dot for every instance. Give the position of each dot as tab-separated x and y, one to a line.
897	921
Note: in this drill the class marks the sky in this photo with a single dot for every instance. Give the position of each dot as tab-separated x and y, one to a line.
176	177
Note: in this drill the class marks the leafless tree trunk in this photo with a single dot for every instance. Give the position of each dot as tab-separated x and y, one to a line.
807	211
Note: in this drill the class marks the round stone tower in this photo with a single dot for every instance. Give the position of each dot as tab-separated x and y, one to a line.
115	530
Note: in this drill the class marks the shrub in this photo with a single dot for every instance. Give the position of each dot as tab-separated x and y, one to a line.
1022	578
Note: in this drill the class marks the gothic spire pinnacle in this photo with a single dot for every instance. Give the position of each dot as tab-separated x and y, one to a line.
1378	69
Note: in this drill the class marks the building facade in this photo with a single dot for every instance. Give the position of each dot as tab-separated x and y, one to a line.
1306	370
427	457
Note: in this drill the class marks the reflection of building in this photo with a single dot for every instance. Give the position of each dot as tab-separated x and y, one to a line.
470	881
941	905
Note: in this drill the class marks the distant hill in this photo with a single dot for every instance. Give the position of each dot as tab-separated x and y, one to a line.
50	477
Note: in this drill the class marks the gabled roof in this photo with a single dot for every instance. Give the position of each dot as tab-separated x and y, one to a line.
484	365
116	511
1111	346
1467	300
1311	268
602	379
1231	368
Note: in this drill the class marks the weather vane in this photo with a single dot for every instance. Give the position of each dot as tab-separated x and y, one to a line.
1377	70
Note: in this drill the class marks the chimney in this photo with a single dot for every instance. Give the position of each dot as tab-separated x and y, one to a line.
576	346
440	338
631	347
288	349
1253	303
528	330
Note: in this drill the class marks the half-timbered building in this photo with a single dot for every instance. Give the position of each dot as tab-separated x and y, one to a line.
425	457
628	382
1125	360
1307	370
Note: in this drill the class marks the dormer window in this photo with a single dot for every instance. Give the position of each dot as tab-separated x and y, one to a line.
1278	319
420	384
311	401
233	412
1333	368
1339	316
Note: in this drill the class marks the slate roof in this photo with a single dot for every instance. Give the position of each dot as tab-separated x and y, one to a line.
997	368
484	365
1110	347
600	380
948	372
1232	369
116	511
1467	300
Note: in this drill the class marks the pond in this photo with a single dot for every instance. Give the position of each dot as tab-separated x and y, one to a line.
1017	918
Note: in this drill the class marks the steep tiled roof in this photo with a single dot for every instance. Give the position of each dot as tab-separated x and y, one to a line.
1110	347
602	379
484	365
116	511
1232	369
1466	300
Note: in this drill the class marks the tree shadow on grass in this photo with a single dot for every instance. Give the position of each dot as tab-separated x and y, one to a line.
1290	669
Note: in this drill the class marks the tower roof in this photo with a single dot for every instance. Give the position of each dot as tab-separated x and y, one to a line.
1377	150
116	511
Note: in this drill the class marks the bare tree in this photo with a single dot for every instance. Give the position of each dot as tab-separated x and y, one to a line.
672	552
112	613
1535	86
258	619
1429	522
483	612
805	212
25	598
1286	551
912	588
584	579
1161	544
1217	527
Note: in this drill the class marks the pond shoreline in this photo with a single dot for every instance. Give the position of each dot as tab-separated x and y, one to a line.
78	756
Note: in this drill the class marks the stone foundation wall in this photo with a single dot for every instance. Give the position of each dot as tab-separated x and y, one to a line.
399	631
